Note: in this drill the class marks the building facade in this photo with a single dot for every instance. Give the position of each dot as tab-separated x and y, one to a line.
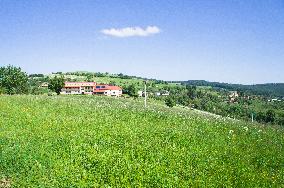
108	90
90	88
76	88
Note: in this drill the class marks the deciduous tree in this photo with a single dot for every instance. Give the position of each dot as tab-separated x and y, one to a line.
56	84
13	80
170	101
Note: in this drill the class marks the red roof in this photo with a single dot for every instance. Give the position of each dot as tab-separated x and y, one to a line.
107	87
114	88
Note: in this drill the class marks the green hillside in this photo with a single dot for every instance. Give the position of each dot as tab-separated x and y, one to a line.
102	79
270	89
88	141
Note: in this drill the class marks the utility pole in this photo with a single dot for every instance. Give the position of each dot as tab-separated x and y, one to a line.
145	94
252	117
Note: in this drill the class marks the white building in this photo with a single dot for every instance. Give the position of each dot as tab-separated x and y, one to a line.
233	94
166	93
78	88
140	93
108	90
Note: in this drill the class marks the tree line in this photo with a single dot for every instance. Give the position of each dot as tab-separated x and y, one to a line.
270	89
14	81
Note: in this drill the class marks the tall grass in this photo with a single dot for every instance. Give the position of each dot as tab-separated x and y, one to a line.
75	141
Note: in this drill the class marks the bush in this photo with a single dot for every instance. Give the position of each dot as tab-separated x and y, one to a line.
270	116
170	102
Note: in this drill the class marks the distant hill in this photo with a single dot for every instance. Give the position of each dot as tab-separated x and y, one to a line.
270	89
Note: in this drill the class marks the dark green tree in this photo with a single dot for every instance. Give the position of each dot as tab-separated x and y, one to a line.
170	101
270	116
132	90
280	120
13	80
260	116
56	84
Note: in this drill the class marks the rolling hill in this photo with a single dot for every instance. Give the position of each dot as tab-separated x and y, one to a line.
270	89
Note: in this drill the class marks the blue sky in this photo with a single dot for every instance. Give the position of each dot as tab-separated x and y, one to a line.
216	40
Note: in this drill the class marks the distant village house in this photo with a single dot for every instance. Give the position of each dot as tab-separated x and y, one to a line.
233	95
108	90
90	88
157	94
44	85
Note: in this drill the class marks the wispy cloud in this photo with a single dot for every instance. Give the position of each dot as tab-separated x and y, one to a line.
131	31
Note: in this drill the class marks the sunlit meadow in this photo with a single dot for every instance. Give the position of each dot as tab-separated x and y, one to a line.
80	141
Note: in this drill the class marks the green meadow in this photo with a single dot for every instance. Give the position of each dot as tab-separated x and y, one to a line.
90	141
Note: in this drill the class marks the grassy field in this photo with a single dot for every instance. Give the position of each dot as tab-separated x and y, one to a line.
79	141
105	80
118	81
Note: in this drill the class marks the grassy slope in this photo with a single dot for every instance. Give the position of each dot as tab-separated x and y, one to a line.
104	80
93	141
119	81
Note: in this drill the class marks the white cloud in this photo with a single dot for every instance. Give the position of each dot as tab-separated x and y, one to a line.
132	31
